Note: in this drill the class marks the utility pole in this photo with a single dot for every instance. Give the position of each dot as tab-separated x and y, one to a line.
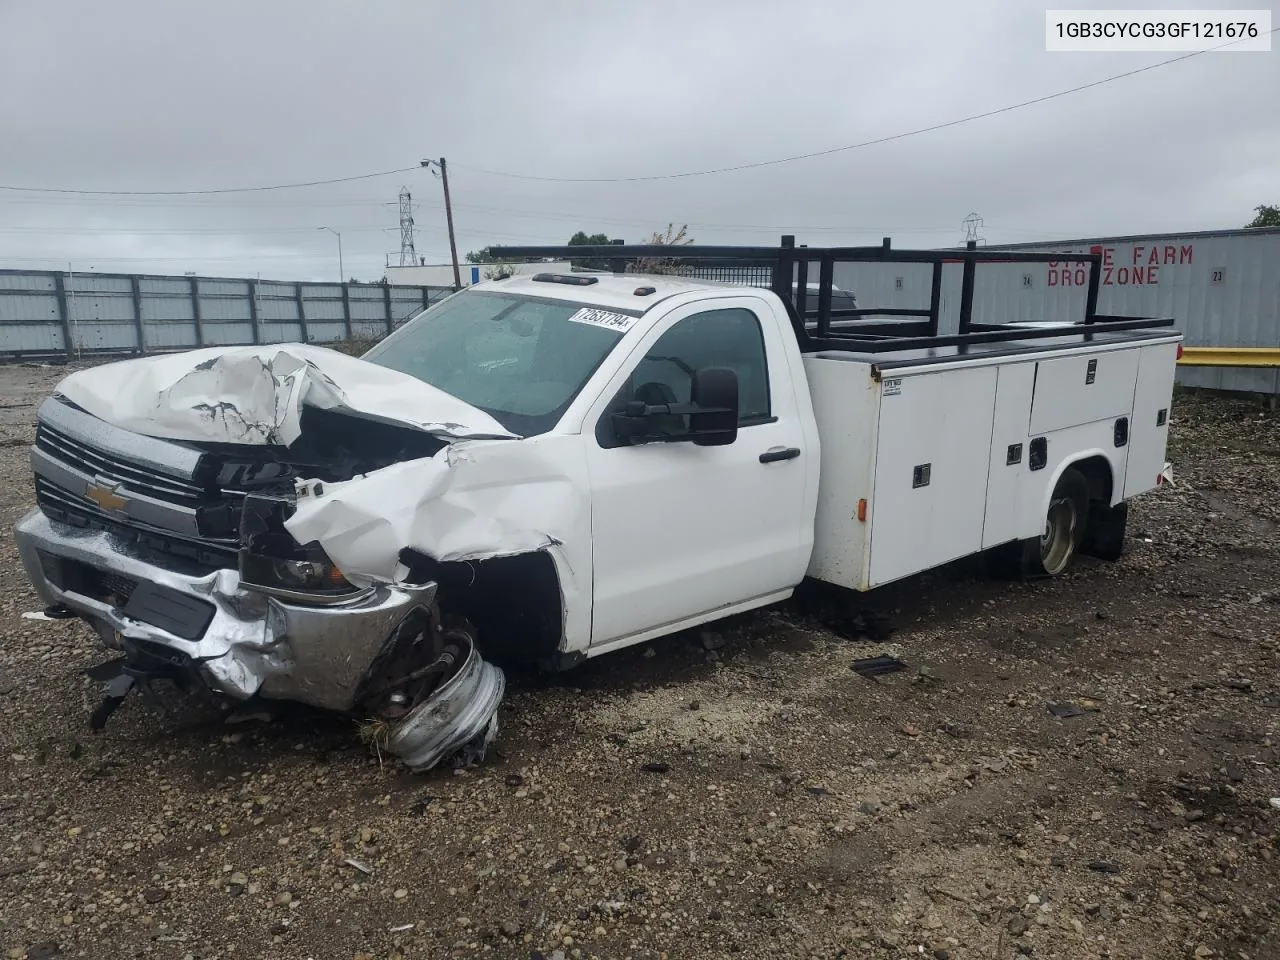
71	308
342	274
448	213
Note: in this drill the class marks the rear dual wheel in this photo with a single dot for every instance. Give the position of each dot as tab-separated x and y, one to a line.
1065	525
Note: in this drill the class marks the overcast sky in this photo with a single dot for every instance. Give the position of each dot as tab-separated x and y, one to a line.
148	95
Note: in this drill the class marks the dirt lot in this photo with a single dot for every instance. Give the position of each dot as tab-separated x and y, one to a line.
758	799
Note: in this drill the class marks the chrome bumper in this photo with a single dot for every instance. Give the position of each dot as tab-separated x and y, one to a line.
254	644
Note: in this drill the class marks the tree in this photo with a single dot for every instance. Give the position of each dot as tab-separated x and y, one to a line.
672	238
499	271
1268	216
582	239
499	268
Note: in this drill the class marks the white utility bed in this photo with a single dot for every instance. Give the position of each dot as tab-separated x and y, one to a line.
955	450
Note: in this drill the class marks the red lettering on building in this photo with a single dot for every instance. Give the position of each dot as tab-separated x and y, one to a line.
1144	271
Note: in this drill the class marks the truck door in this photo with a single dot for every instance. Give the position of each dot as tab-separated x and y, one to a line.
1149	431
678	530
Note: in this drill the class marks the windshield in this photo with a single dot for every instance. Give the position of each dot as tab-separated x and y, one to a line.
521	360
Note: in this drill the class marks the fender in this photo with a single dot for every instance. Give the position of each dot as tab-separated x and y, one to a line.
1077	457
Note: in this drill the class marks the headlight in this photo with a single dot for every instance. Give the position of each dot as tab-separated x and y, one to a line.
272	561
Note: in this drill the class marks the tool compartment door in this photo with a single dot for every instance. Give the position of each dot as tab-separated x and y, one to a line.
1083	388
932	451
1149	431
1007	475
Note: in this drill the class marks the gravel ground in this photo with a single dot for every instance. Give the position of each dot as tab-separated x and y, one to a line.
735	793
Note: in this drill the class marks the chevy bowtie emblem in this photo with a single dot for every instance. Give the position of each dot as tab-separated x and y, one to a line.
105	497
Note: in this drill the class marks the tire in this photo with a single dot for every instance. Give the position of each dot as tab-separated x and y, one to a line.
1065	525
1106	532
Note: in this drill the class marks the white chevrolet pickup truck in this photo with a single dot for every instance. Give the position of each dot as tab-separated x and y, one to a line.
552	467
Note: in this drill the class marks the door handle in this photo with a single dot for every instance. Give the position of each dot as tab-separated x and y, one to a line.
779	453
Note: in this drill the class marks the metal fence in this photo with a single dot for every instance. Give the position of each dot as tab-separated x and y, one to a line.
747	274
60	314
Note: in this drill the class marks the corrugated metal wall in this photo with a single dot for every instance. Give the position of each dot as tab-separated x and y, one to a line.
1222	288
49	313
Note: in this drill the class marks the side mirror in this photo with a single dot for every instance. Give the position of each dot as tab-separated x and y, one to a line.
713	421
712	413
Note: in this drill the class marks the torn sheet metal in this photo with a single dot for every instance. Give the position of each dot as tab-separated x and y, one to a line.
255	395
473	500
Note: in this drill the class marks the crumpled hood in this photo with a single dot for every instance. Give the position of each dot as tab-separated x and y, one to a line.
255	395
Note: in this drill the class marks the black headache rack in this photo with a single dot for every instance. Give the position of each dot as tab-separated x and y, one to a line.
828	328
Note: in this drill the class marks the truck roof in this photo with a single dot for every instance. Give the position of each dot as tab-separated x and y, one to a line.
613	291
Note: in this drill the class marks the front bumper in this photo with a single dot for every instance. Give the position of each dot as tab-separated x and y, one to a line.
252	643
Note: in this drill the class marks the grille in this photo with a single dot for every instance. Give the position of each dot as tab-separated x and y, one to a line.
77	577
100	464
117	586
185	555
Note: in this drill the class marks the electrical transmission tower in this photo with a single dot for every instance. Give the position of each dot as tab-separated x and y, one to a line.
973	229
408	256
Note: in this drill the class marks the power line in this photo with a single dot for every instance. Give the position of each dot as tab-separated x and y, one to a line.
250	256
191	232
193	193
865	143
159	203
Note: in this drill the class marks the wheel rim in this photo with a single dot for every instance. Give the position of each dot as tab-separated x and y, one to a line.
1058	542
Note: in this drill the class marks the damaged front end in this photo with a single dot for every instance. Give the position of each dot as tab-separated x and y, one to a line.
177	554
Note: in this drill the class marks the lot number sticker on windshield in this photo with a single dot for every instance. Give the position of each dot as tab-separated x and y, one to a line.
603	318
